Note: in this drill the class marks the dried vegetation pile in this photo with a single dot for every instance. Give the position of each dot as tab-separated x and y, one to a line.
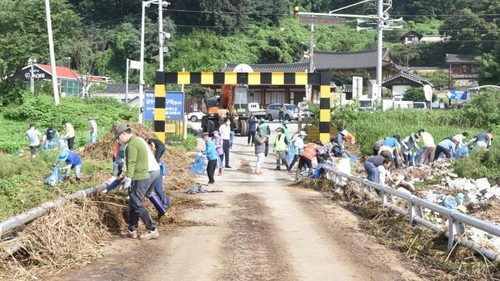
71	235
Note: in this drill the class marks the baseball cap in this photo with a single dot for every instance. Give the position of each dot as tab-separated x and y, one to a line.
302	133
120	129
344	132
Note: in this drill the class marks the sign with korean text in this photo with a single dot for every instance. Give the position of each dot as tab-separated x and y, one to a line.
174	105
149	105
321	19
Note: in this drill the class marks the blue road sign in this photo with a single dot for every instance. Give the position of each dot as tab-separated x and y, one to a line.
174	105
457	95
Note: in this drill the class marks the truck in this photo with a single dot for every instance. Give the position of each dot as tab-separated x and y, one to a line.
232	102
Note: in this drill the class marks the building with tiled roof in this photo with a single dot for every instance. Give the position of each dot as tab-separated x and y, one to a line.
462	70
70	80
277	67
402	81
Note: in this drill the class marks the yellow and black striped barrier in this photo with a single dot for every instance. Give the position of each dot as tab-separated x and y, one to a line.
251	78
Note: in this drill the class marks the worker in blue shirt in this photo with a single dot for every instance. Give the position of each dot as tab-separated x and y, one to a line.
212	156
73	161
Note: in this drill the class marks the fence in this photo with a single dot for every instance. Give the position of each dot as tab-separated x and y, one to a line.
414	211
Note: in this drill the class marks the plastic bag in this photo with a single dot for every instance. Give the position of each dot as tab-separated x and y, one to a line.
163	169
317	172
290	153
198	165
54	177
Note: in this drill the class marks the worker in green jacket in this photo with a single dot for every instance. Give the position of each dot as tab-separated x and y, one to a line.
137	180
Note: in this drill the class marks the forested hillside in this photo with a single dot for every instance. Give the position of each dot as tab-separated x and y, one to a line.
96	37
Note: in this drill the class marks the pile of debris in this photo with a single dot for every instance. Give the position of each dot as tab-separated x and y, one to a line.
178	170
438	183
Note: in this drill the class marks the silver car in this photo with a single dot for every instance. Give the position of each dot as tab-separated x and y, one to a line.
273	111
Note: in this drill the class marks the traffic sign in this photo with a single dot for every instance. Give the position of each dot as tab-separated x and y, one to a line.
457	95
315	19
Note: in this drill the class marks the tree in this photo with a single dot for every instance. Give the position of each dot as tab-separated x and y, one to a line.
24	34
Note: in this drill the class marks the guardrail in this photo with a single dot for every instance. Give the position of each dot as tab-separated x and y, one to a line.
414	211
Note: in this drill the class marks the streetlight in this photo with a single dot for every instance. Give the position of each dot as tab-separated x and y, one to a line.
145	4
32	62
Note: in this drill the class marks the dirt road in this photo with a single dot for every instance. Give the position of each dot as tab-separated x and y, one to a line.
257	228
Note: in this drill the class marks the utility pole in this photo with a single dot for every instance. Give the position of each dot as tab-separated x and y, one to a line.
311	63
161	35
52	54
380	12
32	62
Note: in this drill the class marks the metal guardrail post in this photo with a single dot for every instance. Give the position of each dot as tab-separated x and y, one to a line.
456	220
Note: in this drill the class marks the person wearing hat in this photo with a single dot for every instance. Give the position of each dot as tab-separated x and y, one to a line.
137	181
217	140
408	145
69	134
73	161
280	147
372	165
267	132
260	147
212	155
252	128
298	144
93	130
429	146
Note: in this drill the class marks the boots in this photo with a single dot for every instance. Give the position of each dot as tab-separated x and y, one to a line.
66	178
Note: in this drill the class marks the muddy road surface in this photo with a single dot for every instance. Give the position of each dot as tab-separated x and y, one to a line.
257	228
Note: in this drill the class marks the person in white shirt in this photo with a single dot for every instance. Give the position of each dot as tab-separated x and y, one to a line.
225	134
299	145
460	138
93	130
34	138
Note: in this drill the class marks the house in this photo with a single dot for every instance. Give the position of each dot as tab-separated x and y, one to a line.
119	92
350	62
70	81
411	37
267	94
414	37
402	81
462	70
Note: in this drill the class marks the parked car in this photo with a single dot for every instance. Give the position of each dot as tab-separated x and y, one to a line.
273	111
195	116
420	105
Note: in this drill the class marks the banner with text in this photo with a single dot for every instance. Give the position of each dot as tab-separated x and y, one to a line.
174	105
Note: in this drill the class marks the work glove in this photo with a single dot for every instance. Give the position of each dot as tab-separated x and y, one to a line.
127	182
